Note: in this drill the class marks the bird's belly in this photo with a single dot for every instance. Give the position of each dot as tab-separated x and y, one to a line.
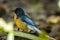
20	24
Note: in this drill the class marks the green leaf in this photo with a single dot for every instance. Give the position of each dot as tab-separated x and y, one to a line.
43	35
59	3
25	35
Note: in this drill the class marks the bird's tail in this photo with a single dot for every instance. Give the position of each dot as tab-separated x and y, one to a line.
37	29
34	28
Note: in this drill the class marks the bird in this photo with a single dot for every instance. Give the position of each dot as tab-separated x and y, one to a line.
23	21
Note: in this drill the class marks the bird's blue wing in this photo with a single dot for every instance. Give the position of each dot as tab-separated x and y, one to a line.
28	20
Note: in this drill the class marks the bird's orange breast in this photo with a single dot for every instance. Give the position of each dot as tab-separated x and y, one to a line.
19	23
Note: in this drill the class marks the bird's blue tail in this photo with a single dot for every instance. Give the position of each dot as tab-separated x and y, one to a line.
37	29
34	28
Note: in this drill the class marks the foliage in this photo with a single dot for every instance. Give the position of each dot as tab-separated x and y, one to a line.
59	3
8	27
43	35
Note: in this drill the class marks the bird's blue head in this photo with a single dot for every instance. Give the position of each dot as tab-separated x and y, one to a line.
19	11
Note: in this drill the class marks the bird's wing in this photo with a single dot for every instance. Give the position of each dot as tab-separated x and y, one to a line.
28	20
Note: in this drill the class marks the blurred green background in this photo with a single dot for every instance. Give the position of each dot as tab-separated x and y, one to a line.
44	13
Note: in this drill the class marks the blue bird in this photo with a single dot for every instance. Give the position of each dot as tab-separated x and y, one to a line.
22	20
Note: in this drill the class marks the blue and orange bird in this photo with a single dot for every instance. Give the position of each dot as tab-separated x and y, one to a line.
23	21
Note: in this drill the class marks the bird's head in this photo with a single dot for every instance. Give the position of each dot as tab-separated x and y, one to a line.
19	11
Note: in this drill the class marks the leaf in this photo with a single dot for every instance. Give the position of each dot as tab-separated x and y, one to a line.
25	35
43	35
59	3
